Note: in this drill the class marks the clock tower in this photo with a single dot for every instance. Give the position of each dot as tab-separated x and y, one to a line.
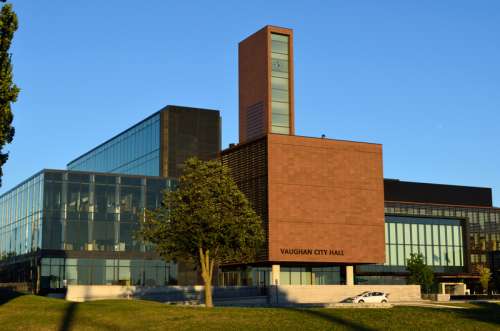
265	65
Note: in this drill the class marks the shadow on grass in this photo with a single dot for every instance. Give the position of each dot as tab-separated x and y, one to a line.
335	320
69	315
483	311
7	294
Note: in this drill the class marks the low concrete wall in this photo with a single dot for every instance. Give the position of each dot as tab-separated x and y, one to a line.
100	292
436	297
288	294
164	293
20	287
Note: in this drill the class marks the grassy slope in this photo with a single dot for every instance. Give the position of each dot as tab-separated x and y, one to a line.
38	313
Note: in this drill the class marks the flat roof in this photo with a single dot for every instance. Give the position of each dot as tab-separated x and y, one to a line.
263	136
444	194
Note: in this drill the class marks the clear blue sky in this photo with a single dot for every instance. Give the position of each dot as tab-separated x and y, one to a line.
420	77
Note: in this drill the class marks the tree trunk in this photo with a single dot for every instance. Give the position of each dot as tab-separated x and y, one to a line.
207	267
208	295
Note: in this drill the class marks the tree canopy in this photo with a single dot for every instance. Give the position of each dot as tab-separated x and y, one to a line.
206	220
420	273
8	90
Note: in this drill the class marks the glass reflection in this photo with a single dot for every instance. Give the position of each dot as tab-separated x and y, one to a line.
433	238
135	151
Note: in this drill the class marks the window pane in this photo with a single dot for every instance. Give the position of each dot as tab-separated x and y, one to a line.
436	255
414	234
401	255
429	255
279	83
428	234
421	234
280	108
435	234
306	277
280	120
444	257
279	37
392	233
279	44
442	235
280	129
280	95
279	66
400	238
285	276
295	276
449	236
394	255
456	239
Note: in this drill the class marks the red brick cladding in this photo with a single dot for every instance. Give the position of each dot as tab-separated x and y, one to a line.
325	194
254	79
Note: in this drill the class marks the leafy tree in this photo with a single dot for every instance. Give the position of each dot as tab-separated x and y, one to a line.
484	276
420	273
206	220
8	90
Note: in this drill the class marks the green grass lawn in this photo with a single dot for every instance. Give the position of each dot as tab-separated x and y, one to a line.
27	312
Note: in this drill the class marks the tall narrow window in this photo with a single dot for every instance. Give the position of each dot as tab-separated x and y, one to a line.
280	99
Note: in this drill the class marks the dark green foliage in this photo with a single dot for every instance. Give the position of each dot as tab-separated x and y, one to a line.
207	220
420	273
8	90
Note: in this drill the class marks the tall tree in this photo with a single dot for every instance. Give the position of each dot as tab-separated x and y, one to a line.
8	90
207	220
420	273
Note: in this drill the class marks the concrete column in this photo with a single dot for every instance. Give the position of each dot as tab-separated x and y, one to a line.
275	274
273	295
349	275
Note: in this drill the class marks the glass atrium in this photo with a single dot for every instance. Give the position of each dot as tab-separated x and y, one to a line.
134	151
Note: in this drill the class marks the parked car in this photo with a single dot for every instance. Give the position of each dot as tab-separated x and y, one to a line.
371	297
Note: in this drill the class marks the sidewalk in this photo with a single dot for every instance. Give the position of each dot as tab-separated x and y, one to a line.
429	304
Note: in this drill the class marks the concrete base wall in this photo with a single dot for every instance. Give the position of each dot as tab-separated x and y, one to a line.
436	297
20	287
164	293
81	293
288	294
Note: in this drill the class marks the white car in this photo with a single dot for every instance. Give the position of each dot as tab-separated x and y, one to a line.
371	297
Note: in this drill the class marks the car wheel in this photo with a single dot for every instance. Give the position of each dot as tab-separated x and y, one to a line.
384	301
361	301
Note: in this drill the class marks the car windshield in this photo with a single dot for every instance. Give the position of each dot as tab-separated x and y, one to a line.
366	292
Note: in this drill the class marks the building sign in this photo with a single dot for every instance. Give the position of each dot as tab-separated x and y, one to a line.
311	251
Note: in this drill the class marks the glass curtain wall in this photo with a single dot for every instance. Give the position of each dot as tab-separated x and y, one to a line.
310	276
54	271
96	212
135	151
21	218
483	225
440	241
280	105
260	276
